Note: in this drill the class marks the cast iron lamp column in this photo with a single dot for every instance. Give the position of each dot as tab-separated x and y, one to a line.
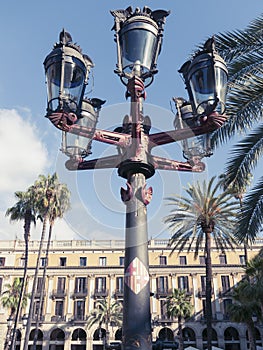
138	35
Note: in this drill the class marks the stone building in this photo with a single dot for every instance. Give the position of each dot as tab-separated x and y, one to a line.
80	272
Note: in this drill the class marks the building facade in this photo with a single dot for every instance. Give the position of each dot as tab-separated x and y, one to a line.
80	272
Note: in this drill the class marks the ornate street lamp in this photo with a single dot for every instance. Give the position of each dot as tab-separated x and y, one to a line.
138	35
206	83
139	38
67	71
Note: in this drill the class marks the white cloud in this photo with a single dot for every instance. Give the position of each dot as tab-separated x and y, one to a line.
22	155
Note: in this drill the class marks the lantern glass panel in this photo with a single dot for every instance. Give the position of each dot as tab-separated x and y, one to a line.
79	145
65	82
138	43
202	83
221	88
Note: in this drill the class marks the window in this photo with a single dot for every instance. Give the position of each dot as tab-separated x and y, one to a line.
61	284
202	260
242	259
119	284
2	261
226	303
43	262
102	261
203	283
39	284
62	261
162	284
225	283
82	261
59	308
162	260
182	260
163	308
183	283
100	284
22	262
121	260
222	259
79	309
81	285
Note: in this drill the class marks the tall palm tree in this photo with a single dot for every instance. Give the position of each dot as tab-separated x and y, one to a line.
47	200
244	309
105	313
205	215
60	204
23	210
179	306
10	299
243	52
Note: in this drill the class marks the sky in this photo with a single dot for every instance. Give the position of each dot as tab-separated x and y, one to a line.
29	144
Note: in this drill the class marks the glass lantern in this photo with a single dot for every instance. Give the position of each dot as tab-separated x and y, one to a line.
76	145
206	80
138	37
197	147
67	72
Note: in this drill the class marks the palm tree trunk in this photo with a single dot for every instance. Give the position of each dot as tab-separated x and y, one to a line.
41	298
208	232
251	335
32	299
180	333
28	216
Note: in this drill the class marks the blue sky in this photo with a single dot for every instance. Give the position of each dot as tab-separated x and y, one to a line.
29	144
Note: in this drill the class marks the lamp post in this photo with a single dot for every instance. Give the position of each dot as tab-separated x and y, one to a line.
9	333
138	35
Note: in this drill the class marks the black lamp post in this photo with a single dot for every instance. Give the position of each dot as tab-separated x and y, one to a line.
138	35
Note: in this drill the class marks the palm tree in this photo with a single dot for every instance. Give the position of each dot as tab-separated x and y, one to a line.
244	309
254	271
243	53
203	216
60	204
10	299
47	202
179	306
105	313
24	210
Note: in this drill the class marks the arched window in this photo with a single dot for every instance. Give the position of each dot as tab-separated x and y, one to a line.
231	338
214	337
99	334
257	336
166	334
189	337
57	338
118	334
78	339
39	339
79	334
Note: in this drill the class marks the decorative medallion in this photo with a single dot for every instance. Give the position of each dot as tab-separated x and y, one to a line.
136	276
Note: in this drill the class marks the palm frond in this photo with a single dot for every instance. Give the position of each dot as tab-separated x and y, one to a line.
251	218
245	156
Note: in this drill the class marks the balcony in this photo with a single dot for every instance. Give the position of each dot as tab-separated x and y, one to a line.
80	293
162	292
100	293
57	318
78	319
118	293
58	294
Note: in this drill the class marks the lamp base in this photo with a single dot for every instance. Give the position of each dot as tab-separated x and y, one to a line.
129	167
